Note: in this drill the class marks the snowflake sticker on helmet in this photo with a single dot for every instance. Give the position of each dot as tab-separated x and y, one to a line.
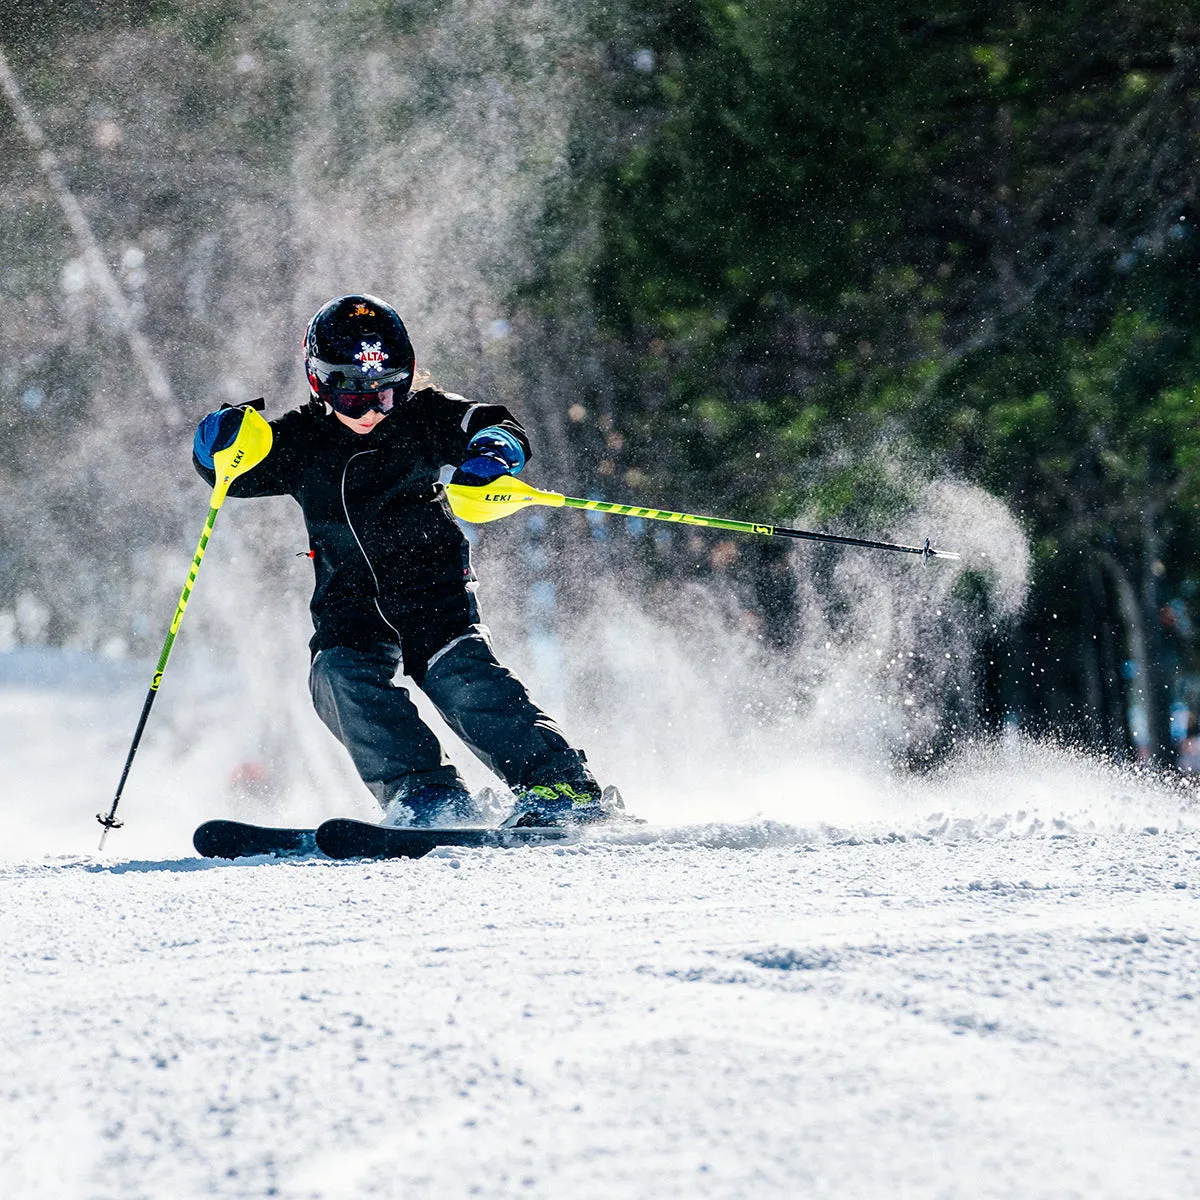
371	357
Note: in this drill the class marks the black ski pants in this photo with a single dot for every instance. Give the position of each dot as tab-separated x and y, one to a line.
356	694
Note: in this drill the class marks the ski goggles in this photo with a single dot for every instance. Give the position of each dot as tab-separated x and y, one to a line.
357	404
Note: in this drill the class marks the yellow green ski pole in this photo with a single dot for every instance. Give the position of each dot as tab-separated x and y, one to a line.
507	495
249	448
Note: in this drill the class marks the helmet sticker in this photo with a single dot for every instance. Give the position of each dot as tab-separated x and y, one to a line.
361	310
372	356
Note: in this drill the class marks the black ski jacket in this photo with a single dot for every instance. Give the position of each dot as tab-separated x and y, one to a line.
384	543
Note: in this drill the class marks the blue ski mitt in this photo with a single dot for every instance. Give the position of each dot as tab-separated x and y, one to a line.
217	431
492	452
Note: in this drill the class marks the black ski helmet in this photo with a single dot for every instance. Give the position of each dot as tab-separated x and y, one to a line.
357	344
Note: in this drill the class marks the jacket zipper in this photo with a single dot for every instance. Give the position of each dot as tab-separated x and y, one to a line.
361	547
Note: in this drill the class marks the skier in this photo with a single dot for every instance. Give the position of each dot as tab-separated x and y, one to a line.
395	590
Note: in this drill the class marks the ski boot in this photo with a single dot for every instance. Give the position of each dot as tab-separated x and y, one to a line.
433	806
551	804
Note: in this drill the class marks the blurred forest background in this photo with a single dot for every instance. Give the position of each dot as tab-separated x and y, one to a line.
862	266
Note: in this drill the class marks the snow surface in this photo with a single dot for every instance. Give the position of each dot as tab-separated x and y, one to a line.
829	983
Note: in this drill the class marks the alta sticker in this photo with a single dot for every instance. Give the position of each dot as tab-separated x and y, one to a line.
371	357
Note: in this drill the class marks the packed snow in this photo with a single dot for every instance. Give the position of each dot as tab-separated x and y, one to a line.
810	978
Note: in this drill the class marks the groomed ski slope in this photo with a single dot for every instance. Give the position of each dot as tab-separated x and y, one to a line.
980	984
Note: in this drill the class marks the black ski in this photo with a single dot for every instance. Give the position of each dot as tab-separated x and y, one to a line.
233	839
346	838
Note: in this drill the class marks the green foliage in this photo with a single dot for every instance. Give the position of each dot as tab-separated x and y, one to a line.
838	202
963	234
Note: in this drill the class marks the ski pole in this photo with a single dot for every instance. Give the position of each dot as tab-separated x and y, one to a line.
249	448
507	495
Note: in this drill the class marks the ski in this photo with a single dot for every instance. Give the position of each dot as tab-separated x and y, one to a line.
234	839
343	837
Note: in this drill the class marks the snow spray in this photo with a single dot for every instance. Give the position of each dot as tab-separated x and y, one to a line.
864	723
